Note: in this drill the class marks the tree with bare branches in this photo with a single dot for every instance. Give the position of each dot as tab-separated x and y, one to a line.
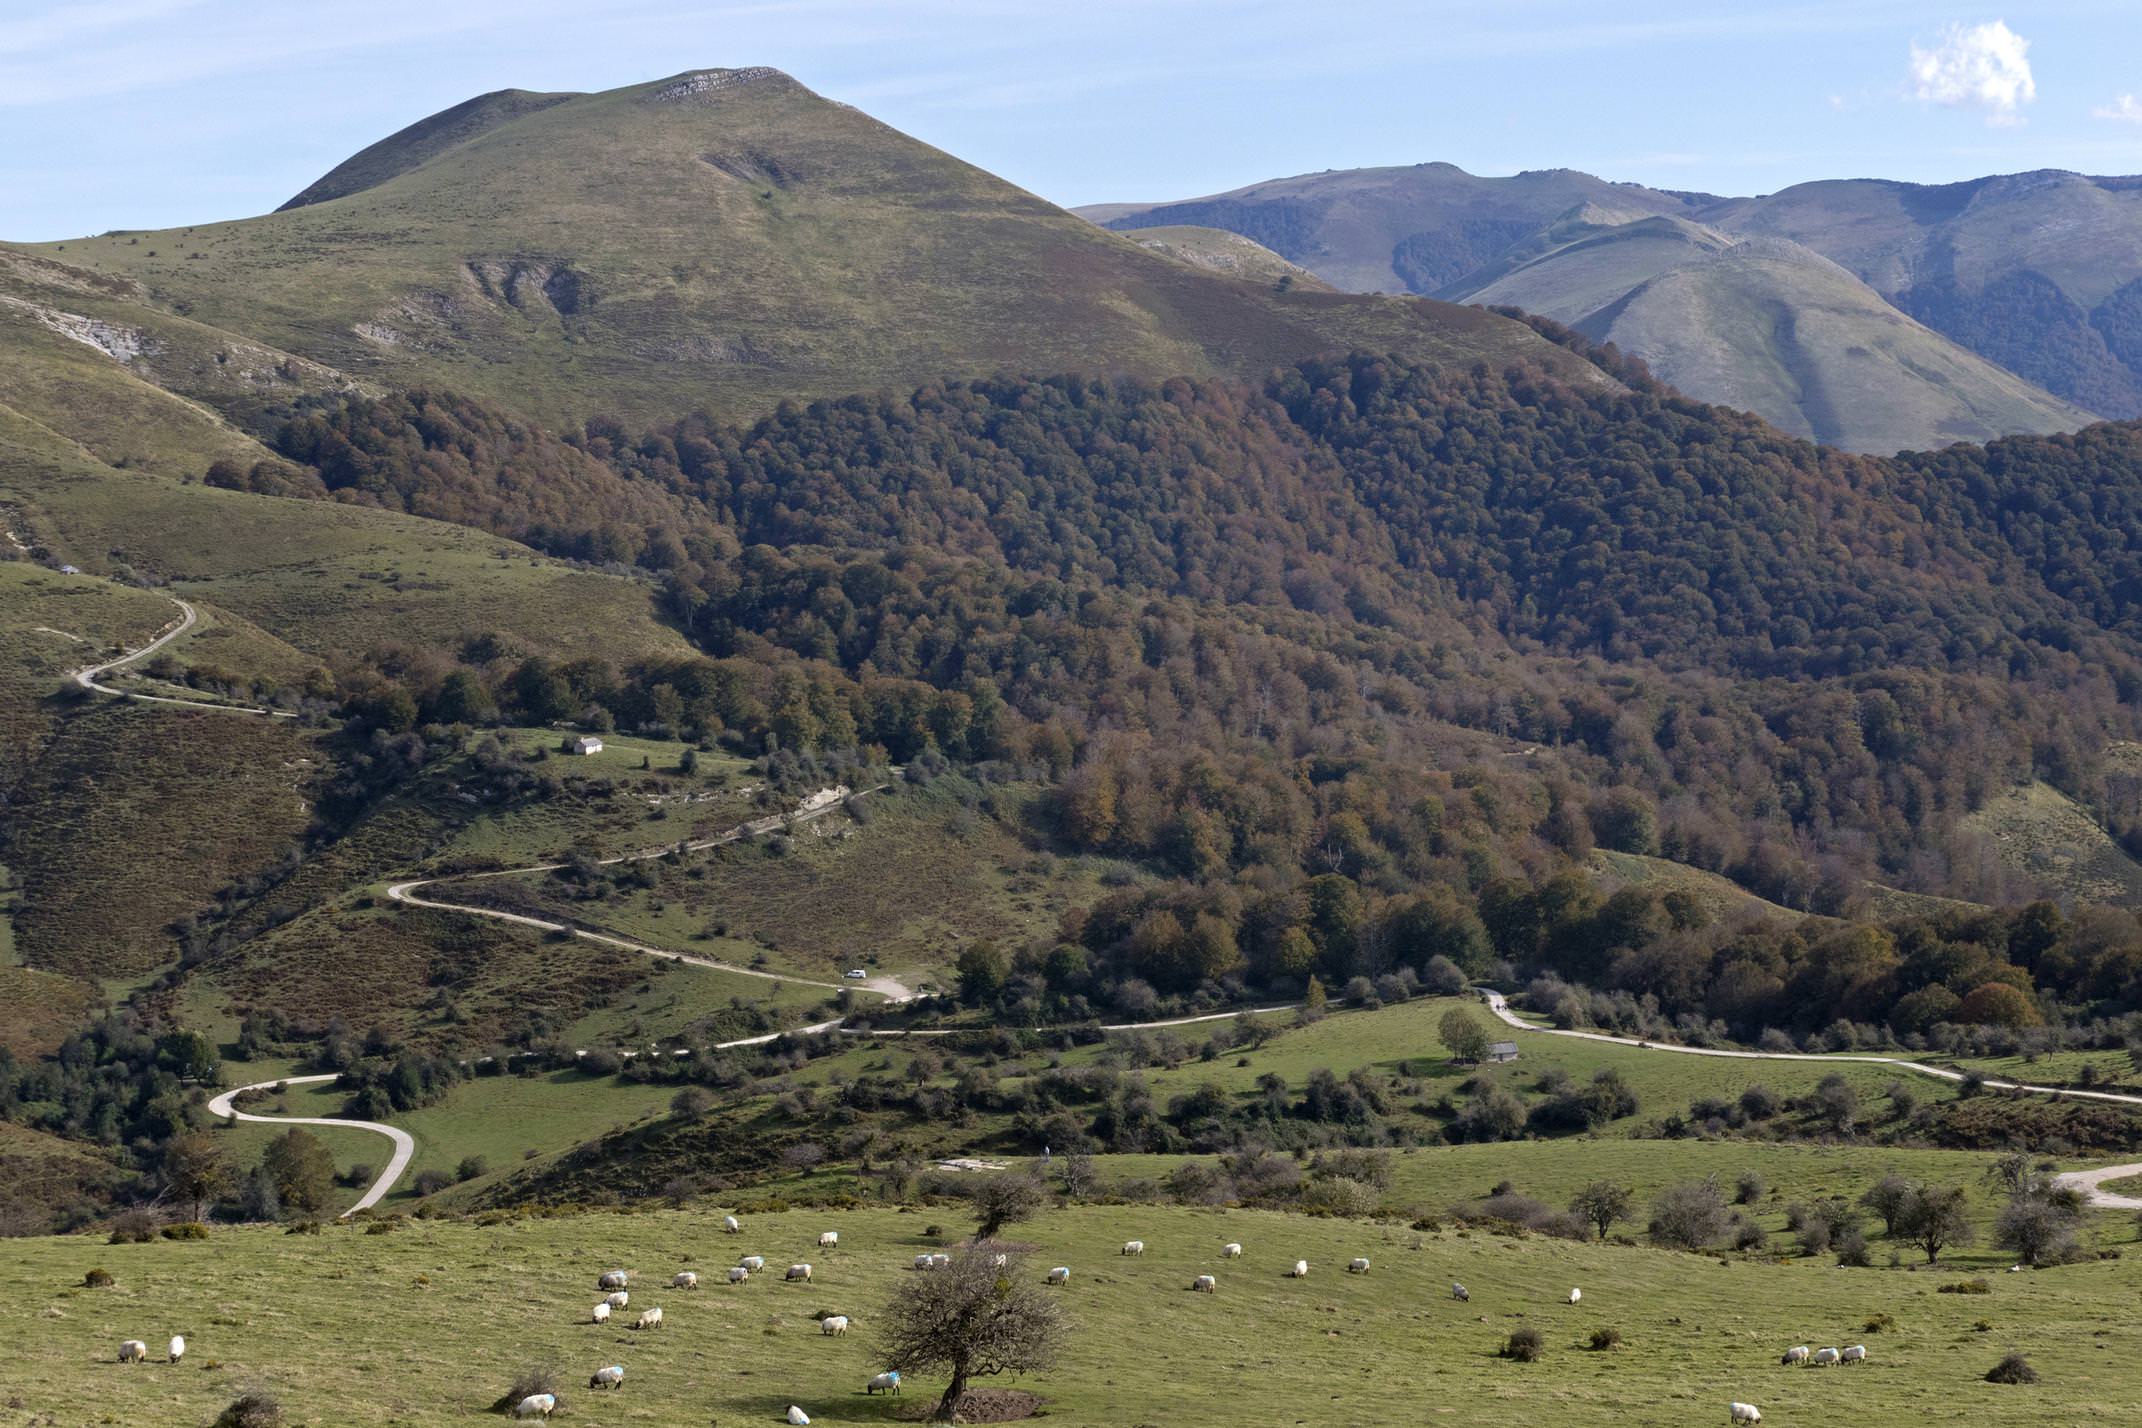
972	1319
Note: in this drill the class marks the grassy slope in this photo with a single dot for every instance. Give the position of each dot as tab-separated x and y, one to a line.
2041	833
1774	329
1228	254
426	1325
629	252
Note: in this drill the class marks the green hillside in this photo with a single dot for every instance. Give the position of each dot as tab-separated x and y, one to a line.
722	239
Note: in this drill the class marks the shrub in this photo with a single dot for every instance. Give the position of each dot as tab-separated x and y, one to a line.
470	1167
1982	1326
1603	1339
304	1227
1966	1286
382	1227
1525	1345
97	1279
356	1175
1688	1216
1749	1236
536	1378
1748	1189
431	1182
253	1410
2013	1368
133	1227
1876	1323
1851	1247
189	1230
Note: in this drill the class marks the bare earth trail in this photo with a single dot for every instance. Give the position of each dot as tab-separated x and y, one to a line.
2085	1181
188	618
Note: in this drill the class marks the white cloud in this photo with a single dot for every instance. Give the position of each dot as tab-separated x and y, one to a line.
1983	67
2125	110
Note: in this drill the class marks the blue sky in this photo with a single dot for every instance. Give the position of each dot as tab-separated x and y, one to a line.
147	113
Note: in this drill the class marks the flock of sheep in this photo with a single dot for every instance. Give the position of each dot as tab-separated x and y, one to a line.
136	1351
617	1287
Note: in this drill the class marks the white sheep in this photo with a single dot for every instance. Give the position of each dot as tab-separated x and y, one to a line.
739	1274
886	1382
178	1347
1745	1412
999	1261
601	1314
833	1324
940	1261
1576	1296
753	1262
1856	1354
1300	1270
649	1319
1060	1275
730	1225
924	1261
611	1377
1230	1251
1460	1293
798	1271
614	1279
685	1279
829	1240
1134	1247
1795	1356
619	1300
133	1351
1205	1284
1358	1266
1823	1358
797	1417
536	1405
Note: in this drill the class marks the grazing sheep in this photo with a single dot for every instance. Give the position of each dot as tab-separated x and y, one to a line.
1795	1356
797	1416
619	1300
999	1261
1358	1266
886	1382
829	1240
1060	1275
1745	1412
649	1319
925	1261
730	1225
601	1313
833	1324
1823	1358
685	1279
1230	1251
536	1405
1300	1270
1576	1296
1856	1354
611	1377
940	1261
133	1351
739	1274
614	1279
753	1262
1460	1293
178	1348
1134	1247
1205	1284
798	1271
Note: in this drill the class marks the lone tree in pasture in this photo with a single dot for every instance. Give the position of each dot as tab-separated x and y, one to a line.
301	1170
1603	1204
1936	1217
1886	1199
972	1319
1001	1200
1466	1038
196	1169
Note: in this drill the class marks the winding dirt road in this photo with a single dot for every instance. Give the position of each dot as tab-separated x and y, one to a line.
2086	1181
404	1143
188	618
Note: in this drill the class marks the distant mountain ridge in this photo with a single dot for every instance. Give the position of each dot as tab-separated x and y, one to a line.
722	239
2036	277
